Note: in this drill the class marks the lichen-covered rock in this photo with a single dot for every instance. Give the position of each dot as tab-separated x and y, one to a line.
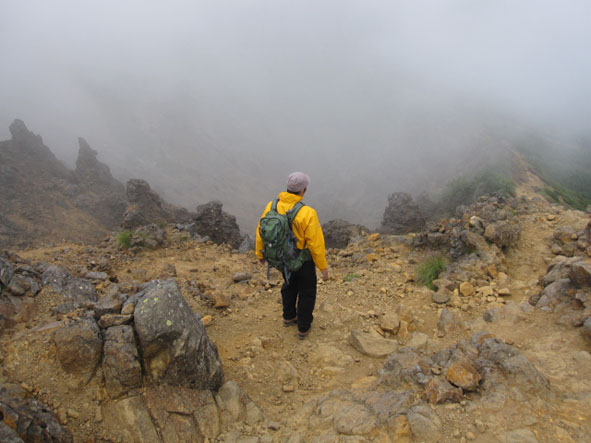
121	365
174	345
79	346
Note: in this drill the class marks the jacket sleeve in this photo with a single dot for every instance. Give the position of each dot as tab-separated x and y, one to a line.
315	240
259	243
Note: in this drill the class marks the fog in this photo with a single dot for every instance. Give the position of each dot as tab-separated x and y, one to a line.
222	99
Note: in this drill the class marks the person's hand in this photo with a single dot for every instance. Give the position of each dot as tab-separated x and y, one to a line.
325	274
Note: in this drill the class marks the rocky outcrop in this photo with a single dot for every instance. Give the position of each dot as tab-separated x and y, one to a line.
79	347
43	201
490	220
402	215
339	233
145	206
172	339
99	193
216	224
23	418
567	290
121	364
569	242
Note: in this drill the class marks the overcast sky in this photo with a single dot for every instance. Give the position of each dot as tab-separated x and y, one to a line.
291	79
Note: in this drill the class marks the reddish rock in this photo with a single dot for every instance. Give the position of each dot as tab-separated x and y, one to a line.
463	375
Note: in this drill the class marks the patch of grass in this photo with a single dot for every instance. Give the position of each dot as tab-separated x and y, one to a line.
124	239
429	270
351	276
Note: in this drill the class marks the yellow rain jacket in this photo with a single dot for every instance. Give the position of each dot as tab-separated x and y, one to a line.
306	228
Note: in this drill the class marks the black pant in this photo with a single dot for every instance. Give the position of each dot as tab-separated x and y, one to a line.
300	288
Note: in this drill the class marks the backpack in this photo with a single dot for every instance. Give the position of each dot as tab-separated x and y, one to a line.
279	243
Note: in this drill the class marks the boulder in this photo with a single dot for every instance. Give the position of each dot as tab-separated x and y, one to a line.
121	365
463	375
580	274
173	342
372	346
438	390
79	346
402	215
502	233
218	225
339	233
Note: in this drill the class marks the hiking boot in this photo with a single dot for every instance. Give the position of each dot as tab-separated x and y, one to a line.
290	322
303	335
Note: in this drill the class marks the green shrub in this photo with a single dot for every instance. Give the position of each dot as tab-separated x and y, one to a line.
429	270
124	239
351	276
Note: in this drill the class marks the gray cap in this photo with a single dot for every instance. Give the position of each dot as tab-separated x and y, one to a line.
297	181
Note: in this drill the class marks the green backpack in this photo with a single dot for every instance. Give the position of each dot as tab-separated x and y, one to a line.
279	243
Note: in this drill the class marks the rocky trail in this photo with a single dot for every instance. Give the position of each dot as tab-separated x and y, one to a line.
387	360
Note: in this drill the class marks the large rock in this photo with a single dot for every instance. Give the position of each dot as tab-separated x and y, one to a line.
580	274
145	206
218	225
339	233
402	215
79	346
174	345
27	419
502	233
77	290
372	346
121	365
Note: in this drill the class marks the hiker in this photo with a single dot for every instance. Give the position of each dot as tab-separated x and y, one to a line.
298	292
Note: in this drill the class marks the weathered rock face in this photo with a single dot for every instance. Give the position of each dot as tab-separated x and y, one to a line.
26	419
218	225
42	200
402	215
79	346
339	233
145	206
19	284
121	364
174	345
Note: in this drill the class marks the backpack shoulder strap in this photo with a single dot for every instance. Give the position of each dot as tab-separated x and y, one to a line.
291	214
274	205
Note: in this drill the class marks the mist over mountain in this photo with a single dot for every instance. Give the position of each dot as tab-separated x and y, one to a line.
222	101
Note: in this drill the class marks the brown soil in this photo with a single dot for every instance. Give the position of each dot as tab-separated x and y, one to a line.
281	373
